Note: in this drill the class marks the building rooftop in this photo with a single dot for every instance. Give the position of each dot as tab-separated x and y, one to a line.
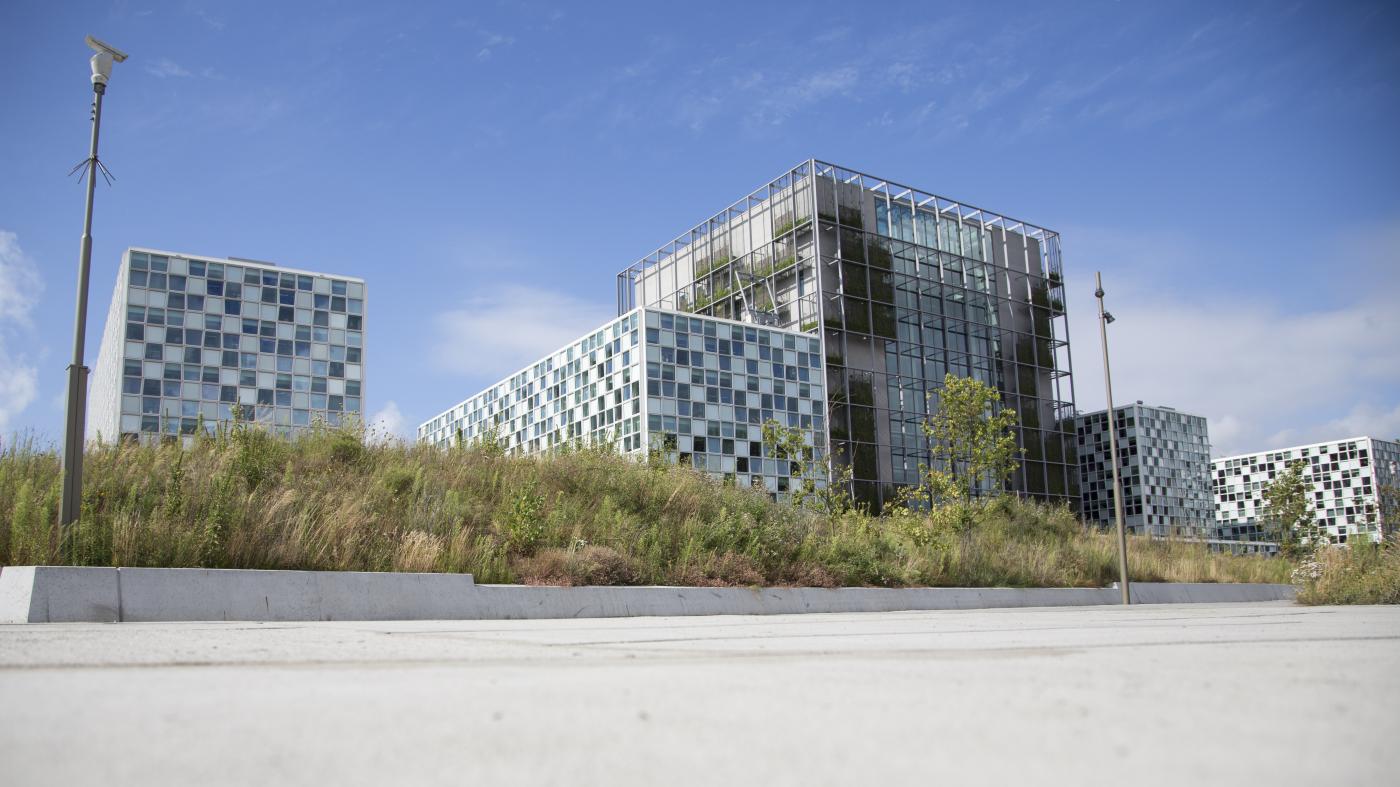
815	168
1297	447
1138	403
243	261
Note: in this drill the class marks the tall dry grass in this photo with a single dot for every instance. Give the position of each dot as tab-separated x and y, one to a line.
328	501
1358	573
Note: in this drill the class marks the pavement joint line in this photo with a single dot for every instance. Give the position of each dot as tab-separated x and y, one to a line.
681	655
605	643
762	623
690	622
717	621
758	635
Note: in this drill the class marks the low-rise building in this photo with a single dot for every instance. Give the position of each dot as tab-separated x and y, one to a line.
1353	488
191	341
695	389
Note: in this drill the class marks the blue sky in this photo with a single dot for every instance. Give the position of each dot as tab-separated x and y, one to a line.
1230	167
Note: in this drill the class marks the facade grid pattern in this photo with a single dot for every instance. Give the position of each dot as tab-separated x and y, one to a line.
690	389
191	341
586	392
1352	485
1163	465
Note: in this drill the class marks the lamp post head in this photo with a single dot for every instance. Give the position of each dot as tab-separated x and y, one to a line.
1108	317
102	61
101	68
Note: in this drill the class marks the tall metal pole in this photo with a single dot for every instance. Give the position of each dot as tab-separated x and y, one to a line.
70	505
1113	445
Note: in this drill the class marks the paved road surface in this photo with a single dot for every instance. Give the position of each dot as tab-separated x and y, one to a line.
1184	695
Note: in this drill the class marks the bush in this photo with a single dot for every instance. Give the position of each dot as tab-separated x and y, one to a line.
585	565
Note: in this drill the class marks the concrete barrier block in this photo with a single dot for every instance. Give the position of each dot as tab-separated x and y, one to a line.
1208	592
153	594
349	595
156	594
54	594
59	594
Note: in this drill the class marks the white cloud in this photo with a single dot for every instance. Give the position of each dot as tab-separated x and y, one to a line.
1265	373
165	67
492	336
20	285
19	385
1364	419
387	423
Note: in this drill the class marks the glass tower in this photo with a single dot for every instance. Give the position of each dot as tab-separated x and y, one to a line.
901	287
191	340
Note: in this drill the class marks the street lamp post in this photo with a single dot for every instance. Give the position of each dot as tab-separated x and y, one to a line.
1104	319
71	503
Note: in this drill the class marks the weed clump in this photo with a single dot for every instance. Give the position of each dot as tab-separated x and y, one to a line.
1353	574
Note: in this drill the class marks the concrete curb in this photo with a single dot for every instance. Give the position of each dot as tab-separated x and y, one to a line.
59	594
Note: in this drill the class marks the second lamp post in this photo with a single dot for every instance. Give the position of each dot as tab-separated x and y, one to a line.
1104	319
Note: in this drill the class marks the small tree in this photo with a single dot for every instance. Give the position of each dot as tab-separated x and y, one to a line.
789	444
973	439
1288	515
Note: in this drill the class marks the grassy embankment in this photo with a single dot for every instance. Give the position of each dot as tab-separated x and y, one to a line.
329	502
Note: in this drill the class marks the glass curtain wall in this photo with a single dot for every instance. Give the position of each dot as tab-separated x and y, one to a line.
903	287
916	287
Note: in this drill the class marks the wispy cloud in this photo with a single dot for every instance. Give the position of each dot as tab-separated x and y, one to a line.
488	42
779	100
165	68
20	285
491	42
20	288
19	385
488	336
249	111
201	11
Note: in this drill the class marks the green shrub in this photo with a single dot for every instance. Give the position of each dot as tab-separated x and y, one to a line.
523	524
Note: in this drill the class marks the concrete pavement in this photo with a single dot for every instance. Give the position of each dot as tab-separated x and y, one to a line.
1177	695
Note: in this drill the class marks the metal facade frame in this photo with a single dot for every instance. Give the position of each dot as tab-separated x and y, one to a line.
791	247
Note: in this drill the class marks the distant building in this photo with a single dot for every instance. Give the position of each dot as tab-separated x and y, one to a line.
190	338
1164	467
1353	483
695	389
